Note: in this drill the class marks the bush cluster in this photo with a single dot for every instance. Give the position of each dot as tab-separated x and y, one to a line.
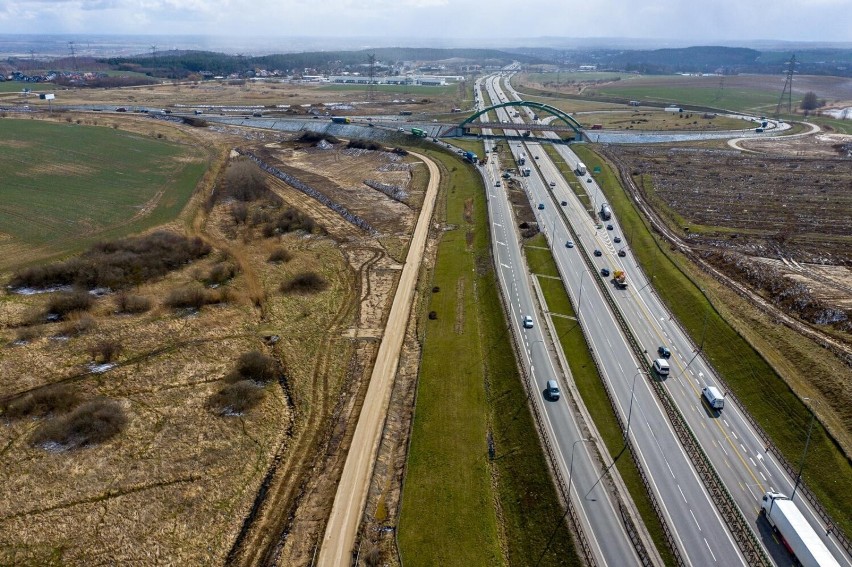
50	400
255	367
236	398
118	264
287	220
364	145
64	303
220	273
315	138
127	303
308	282
279	255
194	297
89	424
245	182
105	350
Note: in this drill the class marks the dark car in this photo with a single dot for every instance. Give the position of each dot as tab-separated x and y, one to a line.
664	352
617	239
564	203
609	227
605	272
598	253
622	253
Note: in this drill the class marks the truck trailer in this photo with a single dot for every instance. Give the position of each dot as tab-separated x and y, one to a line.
581	168
341	120
606	212
796	533
470	156
420	133
619	278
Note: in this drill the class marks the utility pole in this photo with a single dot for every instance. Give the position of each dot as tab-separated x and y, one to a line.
371	87
73	56
805	453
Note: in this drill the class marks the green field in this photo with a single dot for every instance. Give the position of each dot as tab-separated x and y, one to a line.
65	185
469	392
563	77
732	94
779	411
17	86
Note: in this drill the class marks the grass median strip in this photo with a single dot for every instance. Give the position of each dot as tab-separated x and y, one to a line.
766	396
589	384
477	489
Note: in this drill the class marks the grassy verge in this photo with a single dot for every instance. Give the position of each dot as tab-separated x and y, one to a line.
464	498
569	176
766	396
589	384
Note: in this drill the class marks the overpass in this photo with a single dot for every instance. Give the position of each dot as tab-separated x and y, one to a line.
569	123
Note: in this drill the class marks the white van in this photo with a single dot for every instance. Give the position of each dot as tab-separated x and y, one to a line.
713	397
552	390
661	366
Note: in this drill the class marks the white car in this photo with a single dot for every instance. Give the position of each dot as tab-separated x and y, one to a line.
528	322
553	183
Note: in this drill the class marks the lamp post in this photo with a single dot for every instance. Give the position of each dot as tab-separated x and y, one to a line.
580	295
567	499
626	435
804	454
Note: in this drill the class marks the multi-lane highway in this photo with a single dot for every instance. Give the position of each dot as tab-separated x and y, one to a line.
734	447
699	532
599	514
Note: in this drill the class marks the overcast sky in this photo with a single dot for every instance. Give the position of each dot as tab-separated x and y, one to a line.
694	21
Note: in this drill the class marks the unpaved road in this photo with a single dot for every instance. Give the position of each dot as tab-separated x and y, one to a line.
342	527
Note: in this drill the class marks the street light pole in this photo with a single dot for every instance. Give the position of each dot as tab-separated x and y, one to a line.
804	454
567	499
626	435
580	295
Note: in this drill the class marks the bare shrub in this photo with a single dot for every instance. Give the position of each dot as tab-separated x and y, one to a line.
64	303
27	334
288	220
314	138
220	273
364	145
192	296
308	282
127	303
51	400
89	424
254	366
105	350
244	181
118	264
279	255
236	398
239	212
77	324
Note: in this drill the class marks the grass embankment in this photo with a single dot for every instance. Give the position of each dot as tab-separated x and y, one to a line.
446	90
589	383
766	396
460	504
67	185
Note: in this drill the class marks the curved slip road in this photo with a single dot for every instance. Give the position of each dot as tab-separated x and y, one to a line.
351	497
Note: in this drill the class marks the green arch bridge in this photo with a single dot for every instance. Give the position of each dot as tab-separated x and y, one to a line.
568	120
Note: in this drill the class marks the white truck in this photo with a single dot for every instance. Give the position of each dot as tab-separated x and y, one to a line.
796	533
714	397
581	168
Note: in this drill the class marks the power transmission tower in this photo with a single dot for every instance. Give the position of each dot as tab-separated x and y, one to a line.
788	89
73	55
720	88
153	51
371	87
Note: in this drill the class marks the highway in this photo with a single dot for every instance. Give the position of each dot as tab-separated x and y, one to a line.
731	442
599	515
699	532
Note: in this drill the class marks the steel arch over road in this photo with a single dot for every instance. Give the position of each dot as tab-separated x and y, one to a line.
564	117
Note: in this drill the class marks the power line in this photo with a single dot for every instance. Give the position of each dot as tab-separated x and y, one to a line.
788	89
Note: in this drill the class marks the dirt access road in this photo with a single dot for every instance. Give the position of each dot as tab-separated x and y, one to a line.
342	527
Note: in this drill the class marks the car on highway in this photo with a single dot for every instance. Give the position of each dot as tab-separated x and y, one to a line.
609	227
664	352
589	180
552	390
400	129
553	183
564	203
617	239
605	272
598	252
536	157
622	253
541	206
569	244
497	184
528	322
